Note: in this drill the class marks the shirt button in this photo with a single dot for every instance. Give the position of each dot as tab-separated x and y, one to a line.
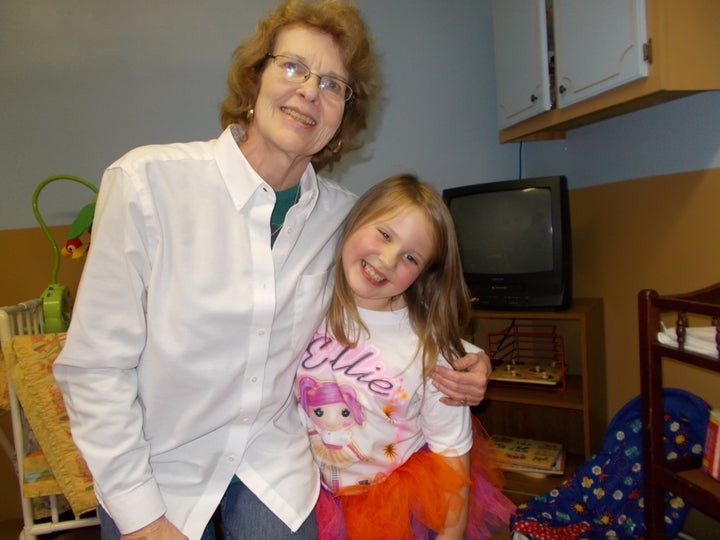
261	332
231	459
254	379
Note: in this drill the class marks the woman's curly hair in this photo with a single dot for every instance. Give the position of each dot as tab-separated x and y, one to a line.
342	21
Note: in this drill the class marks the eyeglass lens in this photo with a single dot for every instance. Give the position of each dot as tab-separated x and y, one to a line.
298	72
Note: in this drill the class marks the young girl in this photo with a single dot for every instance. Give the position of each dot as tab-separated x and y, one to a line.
395	462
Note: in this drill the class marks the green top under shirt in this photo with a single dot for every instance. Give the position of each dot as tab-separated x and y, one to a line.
284	200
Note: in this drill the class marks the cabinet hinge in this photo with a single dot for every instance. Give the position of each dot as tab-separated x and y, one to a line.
647	51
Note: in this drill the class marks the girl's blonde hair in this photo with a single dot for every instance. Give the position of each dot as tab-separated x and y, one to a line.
438	301
337	18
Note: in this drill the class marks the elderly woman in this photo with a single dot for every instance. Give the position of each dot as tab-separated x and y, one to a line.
207	275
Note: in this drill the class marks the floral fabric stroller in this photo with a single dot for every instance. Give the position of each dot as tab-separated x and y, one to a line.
604	498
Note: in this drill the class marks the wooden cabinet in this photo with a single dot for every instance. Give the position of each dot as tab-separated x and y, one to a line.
684	478
671	49
577	416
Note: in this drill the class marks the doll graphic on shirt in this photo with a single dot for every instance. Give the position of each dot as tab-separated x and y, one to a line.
333	410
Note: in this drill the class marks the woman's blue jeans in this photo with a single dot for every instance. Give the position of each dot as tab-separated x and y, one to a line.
244	517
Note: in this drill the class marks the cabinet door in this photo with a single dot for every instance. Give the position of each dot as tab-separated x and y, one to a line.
598	46
521	60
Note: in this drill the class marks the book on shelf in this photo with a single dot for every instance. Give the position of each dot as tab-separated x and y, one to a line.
711	453
529	455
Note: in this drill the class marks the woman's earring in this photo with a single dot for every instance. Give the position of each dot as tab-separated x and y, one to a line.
250	115
337	148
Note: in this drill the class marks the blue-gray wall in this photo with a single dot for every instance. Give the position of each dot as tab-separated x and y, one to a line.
83	81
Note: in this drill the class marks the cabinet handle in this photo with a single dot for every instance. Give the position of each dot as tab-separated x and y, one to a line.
533	98
562	89
648	51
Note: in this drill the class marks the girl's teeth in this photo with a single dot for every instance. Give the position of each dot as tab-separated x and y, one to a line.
371	272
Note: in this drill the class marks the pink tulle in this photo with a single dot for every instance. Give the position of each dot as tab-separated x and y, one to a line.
489	509
416	498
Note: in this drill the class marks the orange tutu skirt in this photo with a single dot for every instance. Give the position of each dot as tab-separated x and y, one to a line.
412	503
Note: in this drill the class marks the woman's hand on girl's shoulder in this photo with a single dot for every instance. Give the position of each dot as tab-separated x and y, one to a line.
467	383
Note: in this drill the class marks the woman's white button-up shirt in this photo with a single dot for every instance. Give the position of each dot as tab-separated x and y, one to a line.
180	357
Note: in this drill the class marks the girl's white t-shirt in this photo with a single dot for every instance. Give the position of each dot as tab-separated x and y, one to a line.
367	409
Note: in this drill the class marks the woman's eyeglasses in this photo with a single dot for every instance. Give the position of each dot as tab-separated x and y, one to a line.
297	72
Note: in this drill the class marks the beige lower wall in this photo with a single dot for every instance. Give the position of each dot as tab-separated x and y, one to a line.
27	264
659	232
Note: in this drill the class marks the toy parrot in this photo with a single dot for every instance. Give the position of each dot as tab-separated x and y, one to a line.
75	247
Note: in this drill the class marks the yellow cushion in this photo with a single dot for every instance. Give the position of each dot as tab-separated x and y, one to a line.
29	360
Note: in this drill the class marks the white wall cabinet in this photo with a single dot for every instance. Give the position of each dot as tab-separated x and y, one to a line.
609	58
598	46
521	60
588	46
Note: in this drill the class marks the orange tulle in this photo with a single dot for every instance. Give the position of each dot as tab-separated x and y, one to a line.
415	500
425	487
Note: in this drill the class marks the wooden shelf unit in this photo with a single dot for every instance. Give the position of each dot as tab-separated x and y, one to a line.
520	488
576	416
684	479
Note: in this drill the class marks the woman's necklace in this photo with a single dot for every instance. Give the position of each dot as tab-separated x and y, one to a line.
284	200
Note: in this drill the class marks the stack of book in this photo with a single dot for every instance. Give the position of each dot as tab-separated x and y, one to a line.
529	456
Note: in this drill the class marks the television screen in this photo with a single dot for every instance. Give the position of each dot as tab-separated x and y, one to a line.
514	239
515	235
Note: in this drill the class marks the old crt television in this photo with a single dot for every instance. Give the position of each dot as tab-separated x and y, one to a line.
515	245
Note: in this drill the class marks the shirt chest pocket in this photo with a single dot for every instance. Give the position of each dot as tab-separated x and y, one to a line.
312	296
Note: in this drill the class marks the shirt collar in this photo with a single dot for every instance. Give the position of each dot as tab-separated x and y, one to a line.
242	181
